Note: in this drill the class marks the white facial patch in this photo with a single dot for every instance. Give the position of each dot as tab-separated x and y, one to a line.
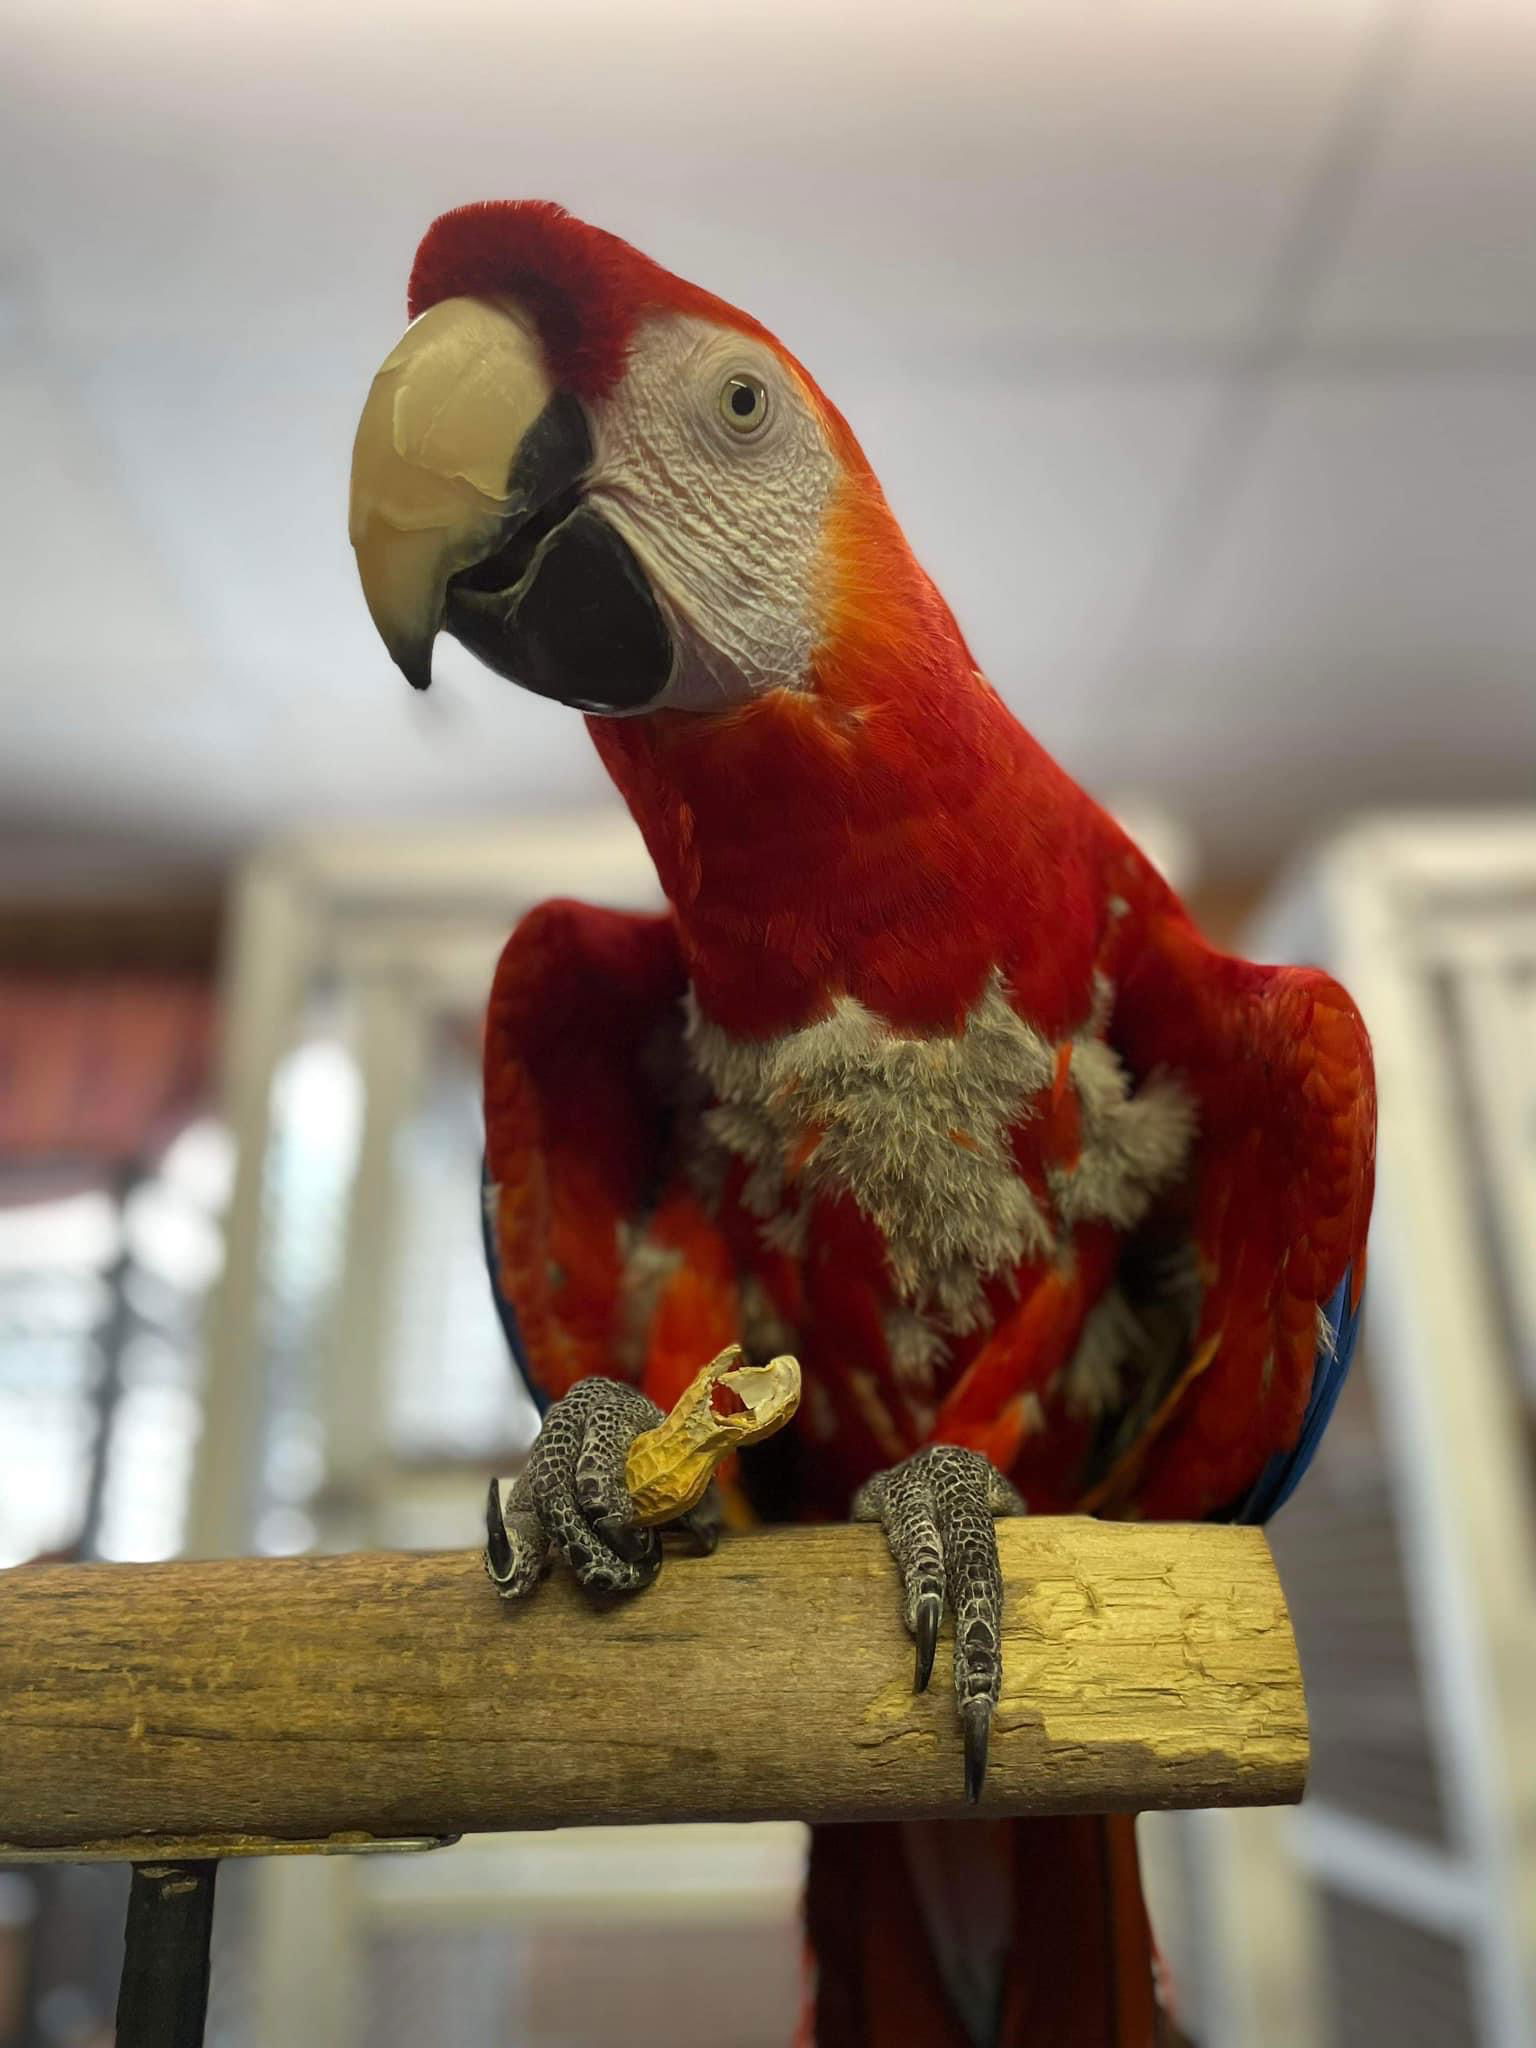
726	523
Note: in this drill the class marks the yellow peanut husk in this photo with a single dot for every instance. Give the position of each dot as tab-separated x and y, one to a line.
670	1466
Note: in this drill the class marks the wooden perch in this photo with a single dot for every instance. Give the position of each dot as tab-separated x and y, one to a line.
229	1706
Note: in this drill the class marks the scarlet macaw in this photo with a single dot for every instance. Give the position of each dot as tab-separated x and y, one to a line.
925	1073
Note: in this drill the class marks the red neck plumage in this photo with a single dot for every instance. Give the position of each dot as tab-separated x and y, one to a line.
890	833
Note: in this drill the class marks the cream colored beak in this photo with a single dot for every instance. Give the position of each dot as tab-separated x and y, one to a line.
432	463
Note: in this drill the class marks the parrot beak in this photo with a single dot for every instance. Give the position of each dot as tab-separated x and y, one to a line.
468	515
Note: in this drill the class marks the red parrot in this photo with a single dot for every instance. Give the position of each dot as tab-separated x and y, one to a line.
924	1074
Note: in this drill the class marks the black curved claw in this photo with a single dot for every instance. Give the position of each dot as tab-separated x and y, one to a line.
622	1536
976	1715
925	1630
937	1508
498	1551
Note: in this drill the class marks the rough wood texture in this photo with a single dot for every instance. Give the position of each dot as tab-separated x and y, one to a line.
1145	1666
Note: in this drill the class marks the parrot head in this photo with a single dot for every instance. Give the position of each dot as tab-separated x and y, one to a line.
611	486
622	493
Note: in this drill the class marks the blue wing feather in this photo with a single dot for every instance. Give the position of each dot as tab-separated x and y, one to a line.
1281	1476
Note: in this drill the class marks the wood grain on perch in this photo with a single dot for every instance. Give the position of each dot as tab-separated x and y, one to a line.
381	1695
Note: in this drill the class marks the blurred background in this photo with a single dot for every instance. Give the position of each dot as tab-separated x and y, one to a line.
1196	346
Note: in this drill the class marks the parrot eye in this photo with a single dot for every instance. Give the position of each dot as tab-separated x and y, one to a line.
743	403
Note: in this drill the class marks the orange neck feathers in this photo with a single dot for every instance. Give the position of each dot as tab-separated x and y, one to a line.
890	832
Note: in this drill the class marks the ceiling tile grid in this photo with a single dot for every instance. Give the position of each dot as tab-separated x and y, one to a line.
1195	346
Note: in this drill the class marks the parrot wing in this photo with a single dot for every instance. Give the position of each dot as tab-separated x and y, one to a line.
1278	1201
593	1241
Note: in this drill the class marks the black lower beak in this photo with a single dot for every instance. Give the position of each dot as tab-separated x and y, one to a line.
578	624
561	605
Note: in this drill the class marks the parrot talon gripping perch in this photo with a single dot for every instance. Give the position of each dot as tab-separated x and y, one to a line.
976	1719
937	1509
925	1630
498	1551
609	1469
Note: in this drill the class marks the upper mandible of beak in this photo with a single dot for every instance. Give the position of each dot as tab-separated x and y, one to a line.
433	462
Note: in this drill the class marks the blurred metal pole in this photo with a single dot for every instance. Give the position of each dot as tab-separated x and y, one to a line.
270	956
163	2000
112	1336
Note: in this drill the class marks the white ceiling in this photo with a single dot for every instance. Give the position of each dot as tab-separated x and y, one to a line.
1196	344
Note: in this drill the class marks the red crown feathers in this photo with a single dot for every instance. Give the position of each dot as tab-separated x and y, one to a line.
586	290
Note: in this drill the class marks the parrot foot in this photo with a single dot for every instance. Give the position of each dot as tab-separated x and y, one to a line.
571	1498
937	1510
